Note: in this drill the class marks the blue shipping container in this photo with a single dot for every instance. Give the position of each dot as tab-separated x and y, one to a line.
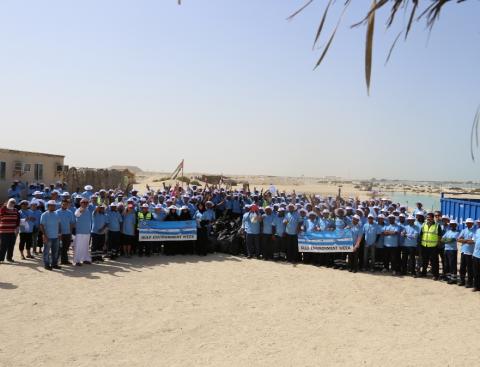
460	209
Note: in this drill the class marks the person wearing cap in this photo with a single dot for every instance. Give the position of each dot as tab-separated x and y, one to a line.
50	225
144	247
114	225
449	239
15	192
83	226
267	234
185	247
410	234
37	237
129	224
430	236
467	239
251	227
476	260
419	209
310	224
67	223
98	234
204	216
279	244
443	223
293	222
371	232
356	229
87	194
26	229
392	251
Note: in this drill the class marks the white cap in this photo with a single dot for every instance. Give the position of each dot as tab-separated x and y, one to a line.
453	221
381	216
402	215
370	216
145	206
88	188
469	220
51	202
357	217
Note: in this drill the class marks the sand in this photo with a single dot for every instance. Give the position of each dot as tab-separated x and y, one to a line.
229	311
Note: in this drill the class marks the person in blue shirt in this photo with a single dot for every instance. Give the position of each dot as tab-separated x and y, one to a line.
50	225
293	222
409	234
356	229
87	194
467	239
371	232
83	227
279	246
27	221
37	237
251	227
476	259
267	234
392	254
204	218
114	224
449	239
99	230
128	229
67	222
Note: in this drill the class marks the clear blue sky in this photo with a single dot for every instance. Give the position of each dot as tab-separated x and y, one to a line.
229	86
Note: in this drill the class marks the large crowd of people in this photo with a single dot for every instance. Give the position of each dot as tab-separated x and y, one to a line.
103	224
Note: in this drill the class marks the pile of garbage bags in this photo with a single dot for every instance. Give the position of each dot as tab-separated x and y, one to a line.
226	236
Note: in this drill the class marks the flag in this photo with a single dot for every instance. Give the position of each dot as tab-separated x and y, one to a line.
175	173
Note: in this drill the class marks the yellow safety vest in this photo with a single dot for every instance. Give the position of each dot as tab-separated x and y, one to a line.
429	235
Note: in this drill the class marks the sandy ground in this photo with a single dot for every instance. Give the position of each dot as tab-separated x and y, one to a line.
229	311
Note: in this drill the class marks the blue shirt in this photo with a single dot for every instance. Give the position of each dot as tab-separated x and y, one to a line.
279	226
27	216
391	240
114	221
51	224
340	223
411	235
476	251
252	223
371	231
357	232
37	213
267	223
381	239
467	234
67	219
450	239
99	223
310	225
292	222
83	222
128	226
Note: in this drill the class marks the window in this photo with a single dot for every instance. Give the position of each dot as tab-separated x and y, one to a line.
38	171
26	167
3	171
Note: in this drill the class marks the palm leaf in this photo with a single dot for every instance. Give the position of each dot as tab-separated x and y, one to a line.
322	23
300	10
369	47
392	47
474	134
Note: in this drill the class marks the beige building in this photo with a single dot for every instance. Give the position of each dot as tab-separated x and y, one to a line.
29	167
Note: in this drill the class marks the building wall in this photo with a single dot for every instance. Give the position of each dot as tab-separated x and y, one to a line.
10	157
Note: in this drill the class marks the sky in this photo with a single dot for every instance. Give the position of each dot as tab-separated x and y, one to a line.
229	86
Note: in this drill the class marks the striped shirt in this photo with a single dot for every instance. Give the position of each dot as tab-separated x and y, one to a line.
9	220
